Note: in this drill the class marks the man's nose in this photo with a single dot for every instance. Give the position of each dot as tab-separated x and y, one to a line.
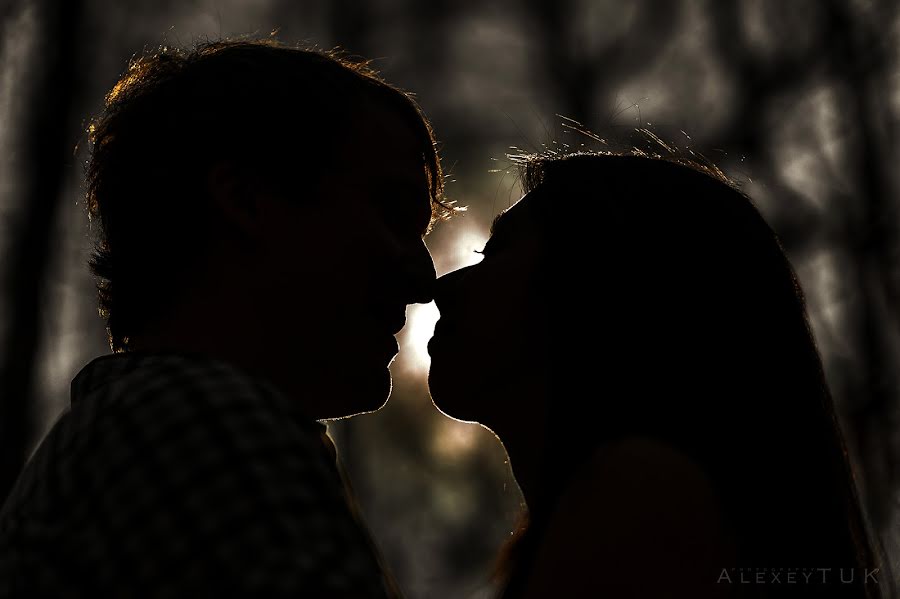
420	276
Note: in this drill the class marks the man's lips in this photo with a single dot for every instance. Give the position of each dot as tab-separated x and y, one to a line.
392	323
392	347
387	321
391	320
398	323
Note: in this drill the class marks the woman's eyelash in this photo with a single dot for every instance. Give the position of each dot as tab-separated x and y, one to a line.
481	251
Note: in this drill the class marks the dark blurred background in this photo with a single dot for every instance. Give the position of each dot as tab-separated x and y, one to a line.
798	101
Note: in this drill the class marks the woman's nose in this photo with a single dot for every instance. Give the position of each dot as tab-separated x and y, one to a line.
447	287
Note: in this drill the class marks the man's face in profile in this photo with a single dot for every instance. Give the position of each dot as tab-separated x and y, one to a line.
347	256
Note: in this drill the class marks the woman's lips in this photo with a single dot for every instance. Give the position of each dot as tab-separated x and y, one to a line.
439	326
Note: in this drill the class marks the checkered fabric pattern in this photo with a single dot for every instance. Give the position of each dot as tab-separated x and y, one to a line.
181	476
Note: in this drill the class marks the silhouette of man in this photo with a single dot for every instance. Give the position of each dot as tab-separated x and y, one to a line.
261	213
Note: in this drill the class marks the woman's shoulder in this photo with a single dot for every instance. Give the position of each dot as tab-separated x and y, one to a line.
645	476
638	517
641	460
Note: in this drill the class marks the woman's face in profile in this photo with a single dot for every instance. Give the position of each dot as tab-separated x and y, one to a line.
489	340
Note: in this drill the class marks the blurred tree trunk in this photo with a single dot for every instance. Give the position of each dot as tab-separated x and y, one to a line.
582	75
873	239
299	21
350	23
45	142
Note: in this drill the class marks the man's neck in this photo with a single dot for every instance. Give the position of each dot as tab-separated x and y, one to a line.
233	331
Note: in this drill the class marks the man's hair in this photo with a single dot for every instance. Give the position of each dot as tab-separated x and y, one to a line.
273	109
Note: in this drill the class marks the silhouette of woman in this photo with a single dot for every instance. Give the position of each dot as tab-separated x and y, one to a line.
638	340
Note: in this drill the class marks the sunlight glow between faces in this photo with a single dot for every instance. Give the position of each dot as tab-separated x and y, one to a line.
421	318
464	250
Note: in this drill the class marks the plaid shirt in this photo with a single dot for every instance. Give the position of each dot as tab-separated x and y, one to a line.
180	476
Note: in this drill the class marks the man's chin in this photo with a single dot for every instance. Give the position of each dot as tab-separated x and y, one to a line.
366	394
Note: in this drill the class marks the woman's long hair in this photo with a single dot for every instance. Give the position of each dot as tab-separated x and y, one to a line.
676	315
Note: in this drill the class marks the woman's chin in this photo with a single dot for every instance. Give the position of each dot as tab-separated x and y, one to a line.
367	392
440	394
451	395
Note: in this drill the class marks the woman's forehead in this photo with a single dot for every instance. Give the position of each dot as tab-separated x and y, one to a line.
521	214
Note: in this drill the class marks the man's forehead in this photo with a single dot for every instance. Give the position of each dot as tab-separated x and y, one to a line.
396	160
412	193
398	164
398	153
400	192
386	152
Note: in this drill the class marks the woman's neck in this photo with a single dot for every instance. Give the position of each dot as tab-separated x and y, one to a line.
524	436
527	460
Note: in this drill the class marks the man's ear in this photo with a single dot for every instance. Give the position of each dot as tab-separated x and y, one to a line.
233	196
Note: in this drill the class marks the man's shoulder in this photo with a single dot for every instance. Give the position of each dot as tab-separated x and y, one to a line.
133	379
170	393
167	416
181	408
172	464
